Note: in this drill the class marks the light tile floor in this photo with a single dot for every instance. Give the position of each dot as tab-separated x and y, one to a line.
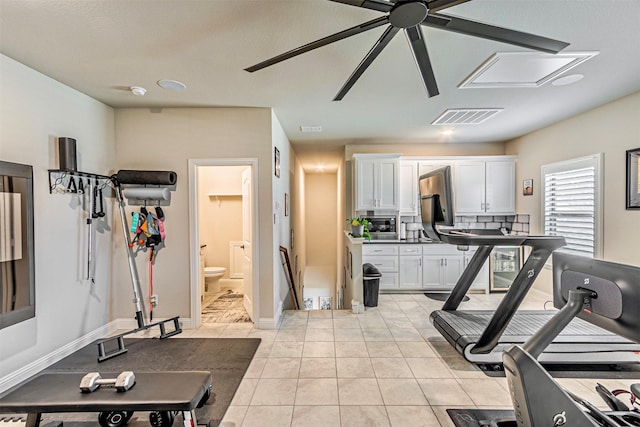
385	367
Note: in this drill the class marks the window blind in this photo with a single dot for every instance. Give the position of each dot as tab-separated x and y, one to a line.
570	207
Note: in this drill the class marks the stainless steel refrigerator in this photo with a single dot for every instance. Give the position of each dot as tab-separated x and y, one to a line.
504	264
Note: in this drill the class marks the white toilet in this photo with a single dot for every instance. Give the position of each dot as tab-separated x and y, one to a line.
212	276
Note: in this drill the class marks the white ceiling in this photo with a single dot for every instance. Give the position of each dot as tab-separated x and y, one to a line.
101	47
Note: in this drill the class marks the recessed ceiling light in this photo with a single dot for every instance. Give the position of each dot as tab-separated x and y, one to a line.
138	90
172	85
567	80
447	132
320	168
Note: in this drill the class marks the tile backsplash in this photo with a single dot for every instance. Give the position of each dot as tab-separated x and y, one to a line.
516	224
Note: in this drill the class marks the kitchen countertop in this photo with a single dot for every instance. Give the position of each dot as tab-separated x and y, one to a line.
401	242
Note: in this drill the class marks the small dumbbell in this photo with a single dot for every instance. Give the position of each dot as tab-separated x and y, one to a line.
92	381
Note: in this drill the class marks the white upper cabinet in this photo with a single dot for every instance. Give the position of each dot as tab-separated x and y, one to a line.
425	166
500	182
485	187
408	189
376	183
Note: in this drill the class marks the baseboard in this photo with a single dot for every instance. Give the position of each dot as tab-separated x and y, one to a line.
17	377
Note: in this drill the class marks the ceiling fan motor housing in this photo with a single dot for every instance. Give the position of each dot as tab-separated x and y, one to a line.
408	14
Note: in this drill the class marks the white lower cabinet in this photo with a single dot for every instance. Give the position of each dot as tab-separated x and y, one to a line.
482	279
442	266
422	266
385	258
441	271
410	272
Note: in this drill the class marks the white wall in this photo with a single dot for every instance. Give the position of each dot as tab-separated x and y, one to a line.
170	138
298	214
610	129
34	111
281	222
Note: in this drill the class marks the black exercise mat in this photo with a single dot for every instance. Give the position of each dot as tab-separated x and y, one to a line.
226	358
479	417
441	296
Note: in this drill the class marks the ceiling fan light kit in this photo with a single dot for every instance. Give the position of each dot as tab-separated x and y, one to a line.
409	16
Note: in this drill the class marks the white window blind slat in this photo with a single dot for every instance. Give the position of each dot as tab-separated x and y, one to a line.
570	205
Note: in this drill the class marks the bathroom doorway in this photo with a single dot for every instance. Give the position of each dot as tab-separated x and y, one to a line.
223	231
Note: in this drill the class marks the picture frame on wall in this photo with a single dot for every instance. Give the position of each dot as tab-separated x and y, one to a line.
286	204
527	187
633	179
276	161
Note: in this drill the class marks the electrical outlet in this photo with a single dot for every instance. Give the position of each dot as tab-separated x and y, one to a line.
154	300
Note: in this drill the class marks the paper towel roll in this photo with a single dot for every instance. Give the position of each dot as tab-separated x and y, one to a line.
147	193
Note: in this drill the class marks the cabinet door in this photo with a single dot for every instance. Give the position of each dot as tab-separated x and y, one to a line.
410	272
389	281
482	279
470	187
452	270
408	188
432	271
365	184
387	184
500	181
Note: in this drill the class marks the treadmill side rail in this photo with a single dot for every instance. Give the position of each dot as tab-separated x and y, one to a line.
466	279
542	247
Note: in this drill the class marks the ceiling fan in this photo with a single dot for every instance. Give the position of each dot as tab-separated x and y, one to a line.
410	15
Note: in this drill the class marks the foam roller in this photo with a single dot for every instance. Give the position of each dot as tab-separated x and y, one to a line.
146	177
144	193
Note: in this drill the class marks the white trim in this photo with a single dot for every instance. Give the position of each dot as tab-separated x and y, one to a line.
16	377
194	247
272	322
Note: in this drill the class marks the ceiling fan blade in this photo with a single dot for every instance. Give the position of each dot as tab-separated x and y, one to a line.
380	5
420	54
373	54
322	42
491	32
436	5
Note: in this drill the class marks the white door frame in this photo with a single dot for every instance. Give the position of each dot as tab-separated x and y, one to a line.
194	232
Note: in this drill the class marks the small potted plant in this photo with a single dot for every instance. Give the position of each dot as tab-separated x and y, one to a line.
359	227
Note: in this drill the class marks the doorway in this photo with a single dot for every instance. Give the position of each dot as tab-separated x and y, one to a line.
223	232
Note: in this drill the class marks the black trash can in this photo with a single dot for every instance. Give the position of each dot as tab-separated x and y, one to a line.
370	284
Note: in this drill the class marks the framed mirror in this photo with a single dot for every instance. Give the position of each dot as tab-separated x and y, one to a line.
17	266
633	179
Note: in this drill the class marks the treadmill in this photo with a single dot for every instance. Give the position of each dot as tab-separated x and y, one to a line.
481	336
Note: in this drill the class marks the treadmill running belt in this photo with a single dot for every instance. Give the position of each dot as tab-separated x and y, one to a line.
579	342
473	323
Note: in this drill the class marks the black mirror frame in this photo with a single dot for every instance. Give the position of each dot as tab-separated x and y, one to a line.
15	170
633	179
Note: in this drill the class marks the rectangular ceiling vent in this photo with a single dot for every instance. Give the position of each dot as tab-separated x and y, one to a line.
466	116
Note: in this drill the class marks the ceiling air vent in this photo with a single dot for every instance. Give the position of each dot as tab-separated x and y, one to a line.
466	116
